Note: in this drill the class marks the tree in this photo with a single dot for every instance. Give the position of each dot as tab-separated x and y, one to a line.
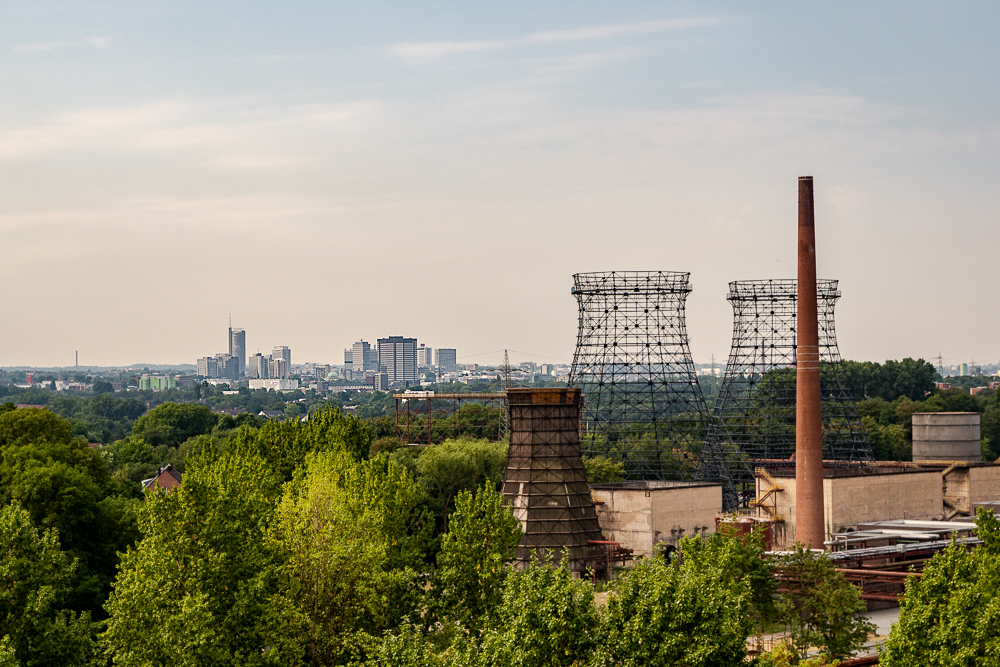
32	425
459	464
662	613
196	589
35	580
951	614
546	617
346	535
173	423
480	541
102	387
603	471
820	607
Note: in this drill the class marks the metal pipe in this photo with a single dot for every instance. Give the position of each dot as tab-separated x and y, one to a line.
809	528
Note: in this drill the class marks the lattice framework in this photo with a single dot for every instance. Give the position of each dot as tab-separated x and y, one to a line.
756	404
643	405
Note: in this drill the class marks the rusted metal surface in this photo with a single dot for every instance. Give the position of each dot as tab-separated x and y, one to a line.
427	418
545	483
809	528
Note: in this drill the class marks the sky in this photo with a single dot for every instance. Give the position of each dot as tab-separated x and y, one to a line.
329	172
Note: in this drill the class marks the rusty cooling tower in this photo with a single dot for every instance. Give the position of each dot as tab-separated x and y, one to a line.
544	483
809	528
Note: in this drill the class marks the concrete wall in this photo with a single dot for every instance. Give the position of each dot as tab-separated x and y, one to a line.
648	513
984	484
853	499
946	436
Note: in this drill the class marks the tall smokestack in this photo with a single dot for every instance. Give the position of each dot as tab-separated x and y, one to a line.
809	529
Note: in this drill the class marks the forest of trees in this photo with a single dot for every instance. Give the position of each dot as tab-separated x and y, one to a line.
327	542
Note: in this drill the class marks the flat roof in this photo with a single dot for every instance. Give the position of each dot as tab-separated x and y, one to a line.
649	485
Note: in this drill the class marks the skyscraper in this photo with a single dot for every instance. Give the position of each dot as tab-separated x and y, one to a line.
238	349
258	366
282	352
447	360
363	357
398	356
424	356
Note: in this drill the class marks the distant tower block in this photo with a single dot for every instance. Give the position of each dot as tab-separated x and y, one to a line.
545	483
643	404
757	398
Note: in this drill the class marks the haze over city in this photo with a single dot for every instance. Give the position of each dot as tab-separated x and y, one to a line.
440	170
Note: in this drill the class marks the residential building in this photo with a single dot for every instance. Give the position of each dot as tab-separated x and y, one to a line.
277	368
282	352
166	478
397	356
238	349
447	360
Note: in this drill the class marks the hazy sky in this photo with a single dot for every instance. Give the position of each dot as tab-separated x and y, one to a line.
334	171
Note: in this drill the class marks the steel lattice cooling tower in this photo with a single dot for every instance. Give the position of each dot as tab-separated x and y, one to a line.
757	400
643	405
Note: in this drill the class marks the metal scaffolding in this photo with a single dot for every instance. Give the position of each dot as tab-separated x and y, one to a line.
423	417
643	405
756	404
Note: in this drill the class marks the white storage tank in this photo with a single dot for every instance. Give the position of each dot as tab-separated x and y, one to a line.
946	436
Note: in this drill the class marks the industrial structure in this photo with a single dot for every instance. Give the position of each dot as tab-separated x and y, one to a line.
427	418
757	398
545	483
643	405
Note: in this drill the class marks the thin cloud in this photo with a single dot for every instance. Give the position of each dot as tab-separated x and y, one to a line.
100	42
430	50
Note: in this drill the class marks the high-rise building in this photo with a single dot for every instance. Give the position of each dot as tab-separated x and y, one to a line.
227	366
238	349
207	367
349	357
447	360
425	356
397	357
258	366
278	368
363	357
282	352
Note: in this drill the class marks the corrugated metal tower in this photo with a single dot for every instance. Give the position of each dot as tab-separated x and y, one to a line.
545	483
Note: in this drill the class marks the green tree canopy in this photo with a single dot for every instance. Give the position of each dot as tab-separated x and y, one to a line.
35	581
951	614
173	423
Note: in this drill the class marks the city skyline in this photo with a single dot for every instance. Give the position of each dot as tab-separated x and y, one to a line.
494	151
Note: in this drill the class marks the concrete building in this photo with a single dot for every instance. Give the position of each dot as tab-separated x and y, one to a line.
238	349
447	360
853	496
425	356
363	357
946	436
277	367
647	516
285	353
277	384
227	367
258	366
207	367
397	356
156	382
